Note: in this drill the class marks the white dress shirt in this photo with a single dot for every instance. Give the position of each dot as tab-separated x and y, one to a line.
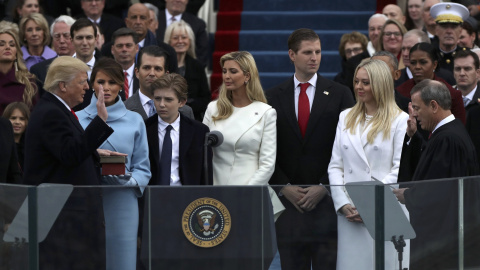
169	17
310	91
470	95
175	136
90	64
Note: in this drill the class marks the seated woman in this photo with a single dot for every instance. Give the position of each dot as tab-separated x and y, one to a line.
18	113
16	83
24	8
248	124
36	37
423	62
130	137
391	38
180	36
368	145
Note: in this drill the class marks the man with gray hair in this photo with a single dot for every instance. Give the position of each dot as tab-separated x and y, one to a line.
61	44
448	153
375	25
154	16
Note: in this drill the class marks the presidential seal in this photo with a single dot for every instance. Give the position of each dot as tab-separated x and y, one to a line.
206	222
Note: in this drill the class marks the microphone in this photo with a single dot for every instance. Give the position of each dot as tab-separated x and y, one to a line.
214	138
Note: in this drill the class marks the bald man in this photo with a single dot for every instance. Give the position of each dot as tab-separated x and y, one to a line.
394	12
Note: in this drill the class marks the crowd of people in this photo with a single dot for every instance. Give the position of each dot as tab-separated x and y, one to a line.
403	109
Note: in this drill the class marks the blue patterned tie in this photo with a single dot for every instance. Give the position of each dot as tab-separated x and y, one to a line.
166	158
152	111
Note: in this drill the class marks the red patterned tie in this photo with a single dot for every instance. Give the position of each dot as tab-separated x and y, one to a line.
74	114
125	84
303	108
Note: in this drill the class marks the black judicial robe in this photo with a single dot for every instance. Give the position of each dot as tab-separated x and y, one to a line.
433	206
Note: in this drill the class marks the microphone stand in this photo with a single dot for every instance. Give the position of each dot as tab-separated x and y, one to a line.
399	245
205	160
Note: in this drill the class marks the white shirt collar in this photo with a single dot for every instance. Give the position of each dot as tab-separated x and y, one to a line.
143	99
63	101
175	125
445	120
312	81
471	94
169	16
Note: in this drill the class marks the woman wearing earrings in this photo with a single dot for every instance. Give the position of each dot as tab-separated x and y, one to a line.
16	83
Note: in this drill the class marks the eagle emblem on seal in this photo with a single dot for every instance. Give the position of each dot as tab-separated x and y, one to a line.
206	220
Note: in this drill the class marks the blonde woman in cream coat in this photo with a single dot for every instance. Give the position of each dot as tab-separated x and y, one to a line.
248	124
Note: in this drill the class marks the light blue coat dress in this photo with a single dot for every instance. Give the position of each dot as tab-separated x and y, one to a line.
120	205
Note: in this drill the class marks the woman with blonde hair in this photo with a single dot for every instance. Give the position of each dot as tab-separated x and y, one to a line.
368	146
35	36
16	83
180	36
248	124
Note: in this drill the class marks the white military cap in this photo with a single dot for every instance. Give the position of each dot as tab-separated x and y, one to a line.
449	12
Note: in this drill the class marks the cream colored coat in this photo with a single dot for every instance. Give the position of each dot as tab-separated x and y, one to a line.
355	160
247	154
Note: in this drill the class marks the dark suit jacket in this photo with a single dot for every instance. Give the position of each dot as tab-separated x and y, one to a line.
191	152
59	150
473	127
304	161
199	28
108	24
149	40
402	102
474	103
198	91
134	104
40	72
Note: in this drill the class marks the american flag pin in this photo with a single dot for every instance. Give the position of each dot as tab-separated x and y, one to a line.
326	93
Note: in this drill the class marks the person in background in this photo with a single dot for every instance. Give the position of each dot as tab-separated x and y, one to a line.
391	39
100	38
429	24
375	25
466	69
62	44
414	15
351	44
423	62
375	124
16	83
180	36
94	11
22	8
468	36
394	12
36	39
18	114
120	206
154	16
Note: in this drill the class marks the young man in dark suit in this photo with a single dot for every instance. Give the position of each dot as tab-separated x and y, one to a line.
306	231
183	138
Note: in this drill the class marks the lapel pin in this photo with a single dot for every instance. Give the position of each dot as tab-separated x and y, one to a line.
326	93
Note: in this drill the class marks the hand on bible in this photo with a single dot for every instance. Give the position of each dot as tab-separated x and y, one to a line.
105	152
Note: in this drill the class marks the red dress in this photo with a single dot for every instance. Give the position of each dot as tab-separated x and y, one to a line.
11	90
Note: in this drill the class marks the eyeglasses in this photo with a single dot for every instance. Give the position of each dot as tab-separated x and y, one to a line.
353	50
65	35
389	34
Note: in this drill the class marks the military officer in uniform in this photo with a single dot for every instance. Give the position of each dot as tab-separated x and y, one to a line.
449	18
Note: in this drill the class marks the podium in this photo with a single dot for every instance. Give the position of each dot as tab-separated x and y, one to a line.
240	235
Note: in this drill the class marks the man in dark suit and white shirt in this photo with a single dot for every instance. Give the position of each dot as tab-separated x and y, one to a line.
466	69
175	11
308	106
124	49
151	65
187	136
59	150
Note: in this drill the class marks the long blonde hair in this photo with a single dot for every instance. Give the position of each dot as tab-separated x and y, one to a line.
381	85
254	89
21	72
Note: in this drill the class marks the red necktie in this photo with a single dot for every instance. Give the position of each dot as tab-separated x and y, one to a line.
125	84
303	108
74	114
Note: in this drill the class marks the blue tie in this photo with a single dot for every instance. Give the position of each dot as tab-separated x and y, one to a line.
166	158
152	111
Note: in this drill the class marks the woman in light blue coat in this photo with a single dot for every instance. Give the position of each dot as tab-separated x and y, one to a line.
120	205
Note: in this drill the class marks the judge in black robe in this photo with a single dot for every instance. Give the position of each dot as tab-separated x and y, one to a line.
433	205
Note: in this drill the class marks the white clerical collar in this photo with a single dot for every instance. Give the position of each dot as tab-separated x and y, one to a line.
445	120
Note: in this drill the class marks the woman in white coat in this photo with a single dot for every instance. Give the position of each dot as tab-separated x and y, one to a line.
368	145
248	124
